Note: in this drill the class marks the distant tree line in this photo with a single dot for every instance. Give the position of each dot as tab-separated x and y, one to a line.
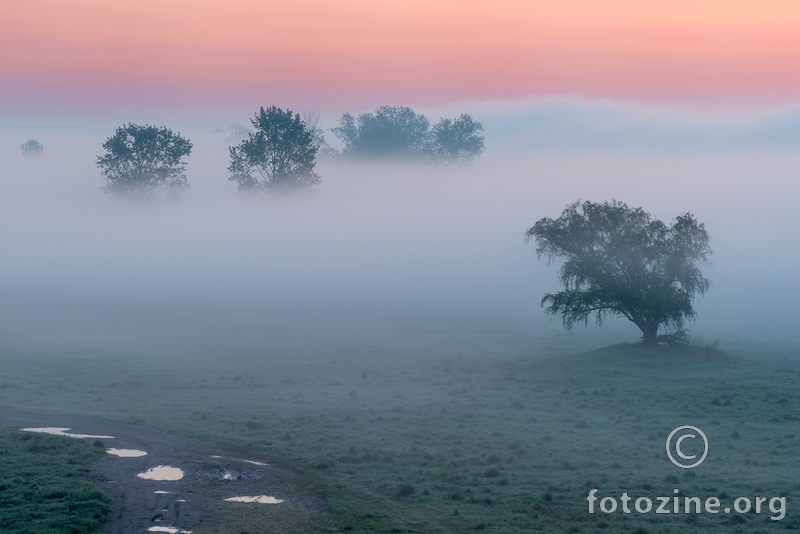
279	154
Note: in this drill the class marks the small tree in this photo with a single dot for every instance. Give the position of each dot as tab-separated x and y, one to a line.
279	157
456	141
32	147
389	131
144	161
620	261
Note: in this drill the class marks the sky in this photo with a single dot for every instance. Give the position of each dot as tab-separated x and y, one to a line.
95	58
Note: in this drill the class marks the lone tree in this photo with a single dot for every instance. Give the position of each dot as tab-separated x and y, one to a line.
619	261
144	161
279	157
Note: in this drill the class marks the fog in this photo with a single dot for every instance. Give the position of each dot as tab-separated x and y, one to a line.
402	243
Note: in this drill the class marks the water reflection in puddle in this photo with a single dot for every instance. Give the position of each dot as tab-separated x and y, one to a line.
170	530
159	492
162	472
63	432
126	453
261	499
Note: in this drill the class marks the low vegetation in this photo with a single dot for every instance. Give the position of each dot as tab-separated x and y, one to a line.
41	485
437	430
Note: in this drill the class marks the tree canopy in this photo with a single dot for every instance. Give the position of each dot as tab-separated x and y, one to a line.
279	157
398	132
144	162
620	261
389	131
456	141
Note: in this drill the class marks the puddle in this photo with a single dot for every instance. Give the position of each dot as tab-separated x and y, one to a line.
162	472
159	492
126	453
63	432
170	530
261	499
253	462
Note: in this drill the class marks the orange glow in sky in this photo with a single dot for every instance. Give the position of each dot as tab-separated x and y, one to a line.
362	53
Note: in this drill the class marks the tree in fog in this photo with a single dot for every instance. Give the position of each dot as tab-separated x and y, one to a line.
144	162
279	157
456	141
236	132
399	132
619	261
32	147
389	131
311	118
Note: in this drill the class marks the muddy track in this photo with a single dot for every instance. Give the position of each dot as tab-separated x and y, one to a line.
140	504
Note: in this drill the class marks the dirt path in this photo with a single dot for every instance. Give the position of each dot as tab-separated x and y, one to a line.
210	476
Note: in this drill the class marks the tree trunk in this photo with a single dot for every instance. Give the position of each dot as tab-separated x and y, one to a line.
650	335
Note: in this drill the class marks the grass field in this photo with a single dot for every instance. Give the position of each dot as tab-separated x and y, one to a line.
447	429
41	486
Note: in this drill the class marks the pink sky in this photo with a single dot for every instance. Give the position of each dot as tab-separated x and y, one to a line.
98	55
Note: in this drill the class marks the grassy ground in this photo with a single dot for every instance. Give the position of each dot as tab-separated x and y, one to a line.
447	431
41	490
